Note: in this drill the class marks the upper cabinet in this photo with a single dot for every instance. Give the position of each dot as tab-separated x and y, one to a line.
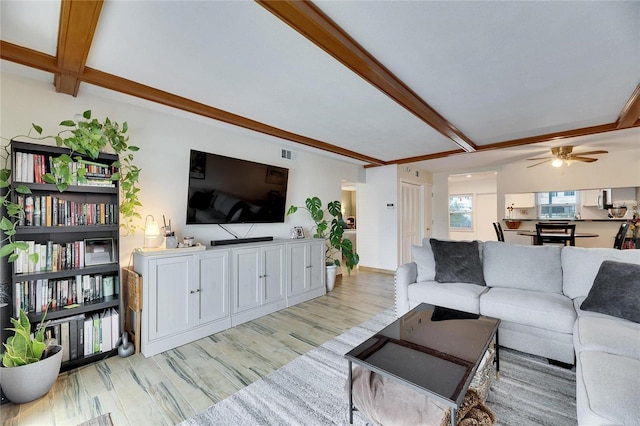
521	201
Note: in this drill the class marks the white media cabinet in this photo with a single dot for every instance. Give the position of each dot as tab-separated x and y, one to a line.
188	295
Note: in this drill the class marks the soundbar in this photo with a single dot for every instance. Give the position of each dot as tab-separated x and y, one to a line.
240	241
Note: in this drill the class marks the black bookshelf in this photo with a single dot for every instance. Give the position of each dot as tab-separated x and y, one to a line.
104	225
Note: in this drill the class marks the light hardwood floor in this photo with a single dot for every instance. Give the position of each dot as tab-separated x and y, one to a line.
170	387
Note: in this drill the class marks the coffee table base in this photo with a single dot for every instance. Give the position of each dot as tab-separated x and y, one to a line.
480	384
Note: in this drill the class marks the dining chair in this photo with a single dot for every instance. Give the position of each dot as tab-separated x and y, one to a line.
499	233
555	233
622	232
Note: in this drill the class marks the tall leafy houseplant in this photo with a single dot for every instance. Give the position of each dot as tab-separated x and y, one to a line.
330	226
83	137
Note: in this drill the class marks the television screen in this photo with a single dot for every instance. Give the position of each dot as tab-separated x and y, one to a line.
230	190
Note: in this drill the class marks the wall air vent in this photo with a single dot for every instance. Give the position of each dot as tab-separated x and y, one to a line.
287	154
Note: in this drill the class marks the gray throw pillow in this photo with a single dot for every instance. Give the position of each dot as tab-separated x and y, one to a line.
423	256
615	291
457	262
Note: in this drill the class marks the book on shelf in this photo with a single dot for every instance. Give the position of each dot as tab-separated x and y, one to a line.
30	168
85	334
48	210
64	340
33	296
50	257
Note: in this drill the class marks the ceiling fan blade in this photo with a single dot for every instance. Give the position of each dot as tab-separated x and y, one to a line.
584	159
593	152
539	158
537	164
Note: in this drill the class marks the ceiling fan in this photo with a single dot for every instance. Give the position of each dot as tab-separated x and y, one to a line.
563	155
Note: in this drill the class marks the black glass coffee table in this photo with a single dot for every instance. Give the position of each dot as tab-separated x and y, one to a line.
432	350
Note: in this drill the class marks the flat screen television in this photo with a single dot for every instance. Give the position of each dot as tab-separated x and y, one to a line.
229	190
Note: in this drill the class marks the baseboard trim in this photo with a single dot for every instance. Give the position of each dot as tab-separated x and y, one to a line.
382	271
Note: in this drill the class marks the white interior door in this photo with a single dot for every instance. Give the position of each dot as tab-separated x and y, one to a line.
412	221
486	214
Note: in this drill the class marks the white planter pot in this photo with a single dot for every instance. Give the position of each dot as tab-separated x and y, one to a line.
29	382
331	276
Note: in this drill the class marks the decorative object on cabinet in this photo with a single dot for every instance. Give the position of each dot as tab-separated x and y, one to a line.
30	366
152	236
332	231
298	231
83	140
63	242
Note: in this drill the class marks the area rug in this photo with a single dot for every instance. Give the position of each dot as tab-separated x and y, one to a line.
103	420
310	390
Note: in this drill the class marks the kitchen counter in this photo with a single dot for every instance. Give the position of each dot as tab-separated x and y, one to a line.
605	228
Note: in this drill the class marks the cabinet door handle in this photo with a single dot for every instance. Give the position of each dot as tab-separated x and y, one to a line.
195	291
309	266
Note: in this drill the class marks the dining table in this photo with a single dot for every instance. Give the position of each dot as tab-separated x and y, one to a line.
551	235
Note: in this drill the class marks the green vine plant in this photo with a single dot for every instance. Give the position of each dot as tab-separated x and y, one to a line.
83	137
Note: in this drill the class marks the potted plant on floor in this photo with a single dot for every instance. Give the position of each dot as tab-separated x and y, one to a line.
30	367
83	136
330	226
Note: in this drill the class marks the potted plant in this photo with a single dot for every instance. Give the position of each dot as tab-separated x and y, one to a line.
83	137
510	222
330	227
29	366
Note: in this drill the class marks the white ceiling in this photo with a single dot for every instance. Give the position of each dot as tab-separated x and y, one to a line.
497	71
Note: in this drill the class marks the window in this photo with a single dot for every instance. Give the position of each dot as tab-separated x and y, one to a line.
557	205
461	212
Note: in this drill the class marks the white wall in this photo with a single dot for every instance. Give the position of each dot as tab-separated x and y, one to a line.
165	137
378	224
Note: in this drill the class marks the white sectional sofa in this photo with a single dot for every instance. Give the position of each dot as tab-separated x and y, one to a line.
537	292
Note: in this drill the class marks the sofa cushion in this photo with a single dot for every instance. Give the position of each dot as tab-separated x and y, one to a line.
580	266
423	257
461	296
615	291
608	388
607	334
550	311
457	262
535	268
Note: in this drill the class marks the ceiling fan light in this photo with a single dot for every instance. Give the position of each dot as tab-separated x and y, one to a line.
556	162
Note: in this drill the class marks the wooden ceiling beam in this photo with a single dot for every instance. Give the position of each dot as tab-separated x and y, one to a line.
630	114
312	23
41	61
28	57
557	136
138	90
78	22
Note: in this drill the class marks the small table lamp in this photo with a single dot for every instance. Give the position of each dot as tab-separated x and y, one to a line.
151	232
